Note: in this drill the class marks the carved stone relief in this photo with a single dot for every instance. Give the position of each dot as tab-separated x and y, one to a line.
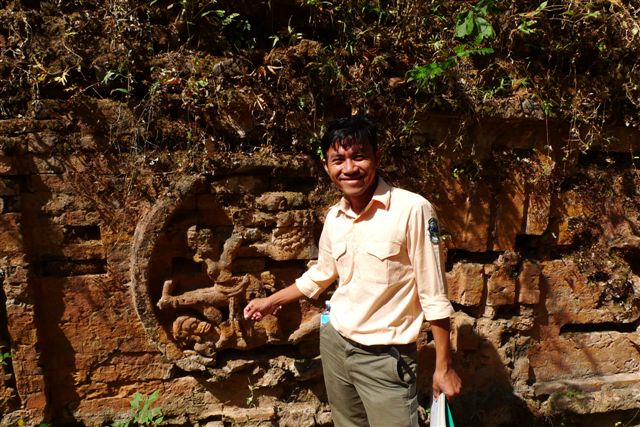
198	256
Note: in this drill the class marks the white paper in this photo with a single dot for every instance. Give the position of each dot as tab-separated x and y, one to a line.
438	412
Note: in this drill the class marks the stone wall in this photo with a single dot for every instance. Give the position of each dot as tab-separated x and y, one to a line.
120	277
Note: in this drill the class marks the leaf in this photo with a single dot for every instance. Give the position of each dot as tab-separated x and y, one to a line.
485	30
464	25
542	6
108	77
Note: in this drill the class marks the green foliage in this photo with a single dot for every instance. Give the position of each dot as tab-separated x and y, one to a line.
473	22
142	414
469	23
4	357
288	37
528	22
424	76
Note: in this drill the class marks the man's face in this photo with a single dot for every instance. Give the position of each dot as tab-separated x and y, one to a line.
353	171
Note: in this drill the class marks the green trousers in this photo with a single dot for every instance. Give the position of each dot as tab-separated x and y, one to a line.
369	385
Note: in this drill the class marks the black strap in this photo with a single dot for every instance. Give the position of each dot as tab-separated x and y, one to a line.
402	364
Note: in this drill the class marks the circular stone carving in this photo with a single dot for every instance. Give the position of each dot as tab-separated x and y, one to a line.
198	256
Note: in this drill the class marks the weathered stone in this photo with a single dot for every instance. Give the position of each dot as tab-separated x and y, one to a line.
11	240
529	283
464	214
8	165
463	335
585	355
571	211
298	415
526	320
282	200
538	203
123	368
539	206
239	185
244	415
572	298
26	359
521	371
292	238
601	401
501	288
324	418
587	384
465	283
509	211
15	274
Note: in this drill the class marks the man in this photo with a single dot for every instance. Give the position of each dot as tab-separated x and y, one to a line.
382	244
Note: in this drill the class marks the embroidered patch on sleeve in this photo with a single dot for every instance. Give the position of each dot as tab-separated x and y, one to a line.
434	231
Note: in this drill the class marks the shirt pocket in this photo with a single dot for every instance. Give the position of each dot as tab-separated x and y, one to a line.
380	262
339	254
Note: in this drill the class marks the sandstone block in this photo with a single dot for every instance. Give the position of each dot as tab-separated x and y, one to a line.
571	210
465	214
529	283
466	283
538	213
539	194
585	355
509	211
572	298
501	288
298	415
242	415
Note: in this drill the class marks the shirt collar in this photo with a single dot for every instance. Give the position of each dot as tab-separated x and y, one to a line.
381	195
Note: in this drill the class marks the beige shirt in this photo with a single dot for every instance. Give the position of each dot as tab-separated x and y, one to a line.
390	274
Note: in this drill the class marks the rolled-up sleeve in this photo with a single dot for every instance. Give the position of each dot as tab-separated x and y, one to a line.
322	274
428	264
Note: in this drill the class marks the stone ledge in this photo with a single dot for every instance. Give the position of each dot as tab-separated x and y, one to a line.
614	381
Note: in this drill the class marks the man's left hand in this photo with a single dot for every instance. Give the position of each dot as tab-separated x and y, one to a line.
447	381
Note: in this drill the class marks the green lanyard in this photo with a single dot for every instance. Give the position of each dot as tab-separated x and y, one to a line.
449	416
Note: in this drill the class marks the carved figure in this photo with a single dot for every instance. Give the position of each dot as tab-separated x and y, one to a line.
206	300
206	336
203	242
190	331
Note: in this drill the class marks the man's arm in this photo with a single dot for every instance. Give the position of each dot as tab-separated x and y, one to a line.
260	307
445	378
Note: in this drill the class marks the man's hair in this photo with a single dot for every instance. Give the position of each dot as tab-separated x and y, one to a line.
348	131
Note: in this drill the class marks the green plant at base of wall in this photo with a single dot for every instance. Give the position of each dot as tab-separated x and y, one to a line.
142	414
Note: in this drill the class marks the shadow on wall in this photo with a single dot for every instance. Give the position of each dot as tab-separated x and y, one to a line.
48	266
487	397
